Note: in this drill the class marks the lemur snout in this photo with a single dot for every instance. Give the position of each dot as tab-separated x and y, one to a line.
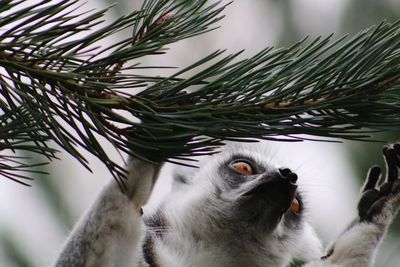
278	185
288	174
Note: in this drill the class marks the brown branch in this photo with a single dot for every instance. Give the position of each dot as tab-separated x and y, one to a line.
374	88
111	126
382	85
290	104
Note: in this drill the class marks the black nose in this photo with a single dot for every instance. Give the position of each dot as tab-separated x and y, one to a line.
288	174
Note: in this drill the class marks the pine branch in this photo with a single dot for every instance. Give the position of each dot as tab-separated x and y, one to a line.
19	132
305	89
68	83
71	89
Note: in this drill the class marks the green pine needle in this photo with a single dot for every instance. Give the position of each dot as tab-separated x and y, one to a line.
69	89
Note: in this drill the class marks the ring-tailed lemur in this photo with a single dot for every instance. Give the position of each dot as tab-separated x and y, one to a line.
235	210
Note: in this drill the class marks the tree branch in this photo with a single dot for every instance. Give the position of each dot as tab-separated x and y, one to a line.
341	89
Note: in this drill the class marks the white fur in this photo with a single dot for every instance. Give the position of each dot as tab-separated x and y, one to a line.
187	215
111	233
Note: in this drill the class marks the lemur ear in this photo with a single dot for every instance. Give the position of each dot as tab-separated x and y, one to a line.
182	175
180	178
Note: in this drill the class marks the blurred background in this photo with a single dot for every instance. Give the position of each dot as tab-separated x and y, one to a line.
35	220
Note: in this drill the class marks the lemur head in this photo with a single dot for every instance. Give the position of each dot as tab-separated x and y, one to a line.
244	185
240	196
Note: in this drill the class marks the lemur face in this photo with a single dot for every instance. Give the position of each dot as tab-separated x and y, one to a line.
259	194
238	204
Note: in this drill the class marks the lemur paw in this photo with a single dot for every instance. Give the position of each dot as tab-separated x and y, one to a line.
142	176
377	202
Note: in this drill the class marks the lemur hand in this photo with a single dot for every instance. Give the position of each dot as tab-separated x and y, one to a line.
142	176
379	202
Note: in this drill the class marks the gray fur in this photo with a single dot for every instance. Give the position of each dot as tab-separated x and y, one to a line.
217	217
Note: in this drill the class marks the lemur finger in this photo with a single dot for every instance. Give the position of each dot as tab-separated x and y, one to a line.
376	208
386	188
367	200
391	164
372	178
396	148
396	186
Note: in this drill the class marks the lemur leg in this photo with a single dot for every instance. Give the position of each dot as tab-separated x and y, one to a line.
377	207
110	232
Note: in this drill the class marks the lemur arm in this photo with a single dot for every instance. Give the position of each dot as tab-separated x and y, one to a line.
377	207
110	232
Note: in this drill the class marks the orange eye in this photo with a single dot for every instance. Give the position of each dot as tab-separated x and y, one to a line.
295	207
243	167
